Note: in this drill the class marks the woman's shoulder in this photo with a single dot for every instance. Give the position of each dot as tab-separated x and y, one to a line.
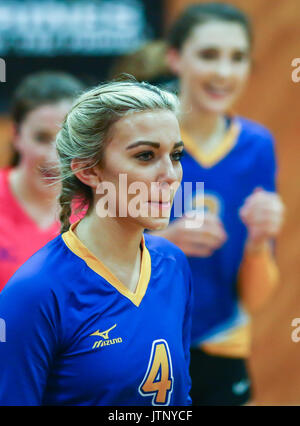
163	248
42	272
34	299
250	128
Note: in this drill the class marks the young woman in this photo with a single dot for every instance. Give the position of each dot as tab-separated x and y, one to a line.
27	202
230	253
101	314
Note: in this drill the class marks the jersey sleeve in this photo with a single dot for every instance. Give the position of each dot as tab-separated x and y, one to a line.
30	317
187	327
266	164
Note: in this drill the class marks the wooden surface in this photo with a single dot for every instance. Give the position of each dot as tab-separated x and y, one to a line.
273	99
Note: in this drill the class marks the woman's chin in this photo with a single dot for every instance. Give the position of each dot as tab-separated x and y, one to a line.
157	224
215	106
48	186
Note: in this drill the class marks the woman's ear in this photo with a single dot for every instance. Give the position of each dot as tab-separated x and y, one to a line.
90	176
173	60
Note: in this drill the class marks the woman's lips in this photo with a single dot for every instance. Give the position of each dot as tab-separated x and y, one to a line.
160	205
48	172
218	93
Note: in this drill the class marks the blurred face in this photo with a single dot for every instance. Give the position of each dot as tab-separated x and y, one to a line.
214	65
145	148
35	141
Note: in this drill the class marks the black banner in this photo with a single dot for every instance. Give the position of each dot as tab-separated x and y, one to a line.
82	37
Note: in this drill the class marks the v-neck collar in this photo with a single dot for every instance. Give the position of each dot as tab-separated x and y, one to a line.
78	248
214	157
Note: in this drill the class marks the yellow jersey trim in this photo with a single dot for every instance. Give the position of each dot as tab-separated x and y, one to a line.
78	248
236	344
209	160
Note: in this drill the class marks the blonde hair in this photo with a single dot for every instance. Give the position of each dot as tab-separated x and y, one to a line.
85	131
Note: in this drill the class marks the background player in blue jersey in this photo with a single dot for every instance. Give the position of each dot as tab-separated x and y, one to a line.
230	254
102	314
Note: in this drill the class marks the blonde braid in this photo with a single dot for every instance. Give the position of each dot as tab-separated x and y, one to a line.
65	201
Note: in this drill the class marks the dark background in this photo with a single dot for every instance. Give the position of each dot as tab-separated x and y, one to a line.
91	65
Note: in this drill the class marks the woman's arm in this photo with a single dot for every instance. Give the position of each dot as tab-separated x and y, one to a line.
258	277
262	213
28	312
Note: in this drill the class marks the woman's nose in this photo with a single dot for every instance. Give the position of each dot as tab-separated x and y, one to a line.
167	174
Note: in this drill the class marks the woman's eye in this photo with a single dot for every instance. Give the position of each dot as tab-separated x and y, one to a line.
43	138
209	54
239	56
176	156
145	156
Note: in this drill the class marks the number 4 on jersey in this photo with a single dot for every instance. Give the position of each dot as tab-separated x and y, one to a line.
158	380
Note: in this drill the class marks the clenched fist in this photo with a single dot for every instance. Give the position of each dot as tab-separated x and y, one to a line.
196	237
262	213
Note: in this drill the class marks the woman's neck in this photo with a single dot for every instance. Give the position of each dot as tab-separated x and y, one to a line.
203	126
39	203
116	243
24	183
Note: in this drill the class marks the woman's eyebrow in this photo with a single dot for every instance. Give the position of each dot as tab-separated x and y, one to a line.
138	143
153	144
216	47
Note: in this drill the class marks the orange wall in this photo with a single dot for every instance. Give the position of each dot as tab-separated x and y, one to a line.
273	99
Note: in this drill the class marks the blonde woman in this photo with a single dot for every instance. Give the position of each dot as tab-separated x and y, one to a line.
101	314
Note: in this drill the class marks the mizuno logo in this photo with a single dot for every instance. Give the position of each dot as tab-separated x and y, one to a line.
104	335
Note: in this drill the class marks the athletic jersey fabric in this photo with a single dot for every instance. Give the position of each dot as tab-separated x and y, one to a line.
75	335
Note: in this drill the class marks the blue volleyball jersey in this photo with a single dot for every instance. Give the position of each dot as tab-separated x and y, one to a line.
75	335
244	161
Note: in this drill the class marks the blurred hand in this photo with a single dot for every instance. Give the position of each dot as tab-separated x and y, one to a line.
195	238
262	213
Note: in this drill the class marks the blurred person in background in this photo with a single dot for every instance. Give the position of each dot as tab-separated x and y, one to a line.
148	63
231	253
28	203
